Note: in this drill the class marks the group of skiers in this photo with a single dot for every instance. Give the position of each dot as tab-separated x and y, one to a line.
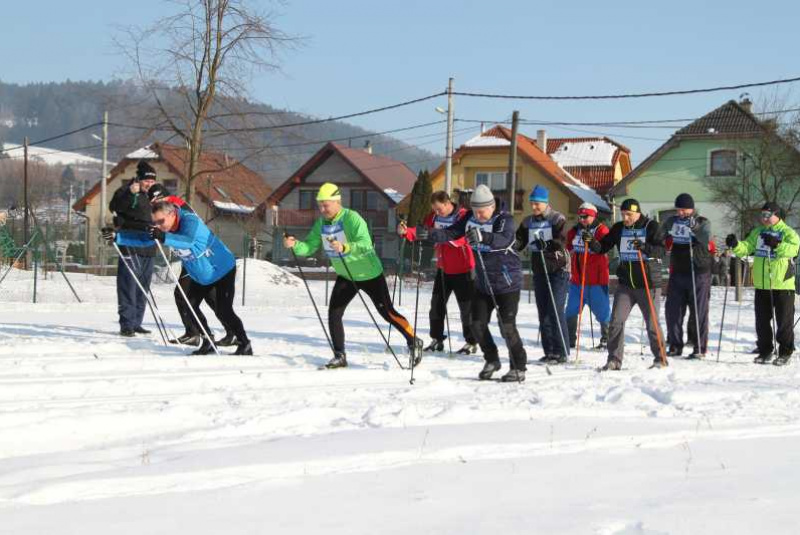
478	259
147	216
478	255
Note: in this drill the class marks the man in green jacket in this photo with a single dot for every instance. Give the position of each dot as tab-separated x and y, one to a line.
774	245
345	238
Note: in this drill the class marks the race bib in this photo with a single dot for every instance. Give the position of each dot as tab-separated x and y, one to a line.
330	233
680	232
442	222
577	243
762	249
485	228
626	251
539	230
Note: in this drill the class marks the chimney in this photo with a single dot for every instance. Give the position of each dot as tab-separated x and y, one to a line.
746	103
541	140
368	147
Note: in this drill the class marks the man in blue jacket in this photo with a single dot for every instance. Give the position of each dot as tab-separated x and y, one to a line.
210	265
490	234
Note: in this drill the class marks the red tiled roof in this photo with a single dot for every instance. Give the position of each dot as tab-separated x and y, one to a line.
382	172
598	177
238	181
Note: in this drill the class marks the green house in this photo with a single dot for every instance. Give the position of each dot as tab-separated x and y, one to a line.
714	147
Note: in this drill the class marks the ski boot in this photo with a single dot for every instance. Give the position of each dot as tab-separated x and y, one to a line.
603	337
782	359
513	376
435	346
696	355
612	365
244	348
188	340
339	360
674	351
548	359
205	348
764	358
415	351
468	349
127	333
572	331
658	364
141	330
488	370
228	340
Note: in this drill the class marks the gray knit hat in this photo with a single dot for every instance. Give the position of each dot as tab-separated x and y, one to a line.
482	197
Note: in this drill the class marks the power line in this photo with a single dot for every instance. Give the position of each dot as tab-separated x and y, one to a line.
59	136
630	95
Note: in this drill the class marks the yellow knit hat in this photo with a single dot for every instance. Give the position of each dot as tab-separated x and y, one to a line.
329	192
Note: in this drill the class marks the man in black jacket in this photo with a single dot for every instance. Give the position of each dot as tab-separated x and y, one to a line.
634	235
131	207
689	282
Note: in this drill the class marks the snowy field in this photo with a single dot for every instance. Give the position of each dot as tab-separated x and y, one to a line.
104	435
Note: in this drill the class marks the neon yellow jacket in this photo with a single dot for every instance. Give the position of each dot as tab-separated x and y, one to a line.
771	269
350	229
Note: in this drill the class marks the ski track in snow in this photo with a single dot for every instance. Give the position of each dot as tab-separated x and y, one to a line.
87	416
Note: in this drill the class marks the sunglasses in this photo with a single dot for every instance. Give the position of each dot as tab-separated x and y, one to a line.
766	214
584	216
159	221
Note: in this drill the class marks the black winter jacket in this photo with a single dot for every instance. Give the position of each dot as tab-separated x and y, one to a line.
682	235
629	271
551	223
132	212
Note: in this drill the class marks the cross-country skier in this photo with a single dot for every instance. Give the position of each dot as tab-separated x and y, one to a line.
595	278
636	234
344	236
543	234
455	273
774	245
689	283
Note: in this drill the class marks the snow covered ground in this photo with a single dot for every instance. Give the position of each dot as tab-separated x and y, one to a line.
101	435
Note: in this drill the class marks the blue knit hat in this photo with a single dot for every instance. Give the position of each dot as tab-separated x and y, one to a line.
539	194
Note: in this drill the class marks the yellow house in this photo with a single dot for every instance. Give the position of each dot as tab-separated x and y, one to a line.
484	160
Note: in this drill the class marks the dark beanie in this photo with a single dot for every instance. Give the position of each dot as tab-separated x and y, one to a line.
145	171
684	200
157	192
772	207
630	205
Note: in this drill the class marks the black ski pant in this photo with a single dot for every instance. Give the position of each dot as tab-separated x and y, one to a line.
552	315
223	292
463	285
680	296
377	290
190	326
508	304
782	301
131	302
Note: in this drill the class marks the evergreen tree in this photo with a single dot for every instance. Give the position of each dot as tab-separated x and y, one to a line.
420	199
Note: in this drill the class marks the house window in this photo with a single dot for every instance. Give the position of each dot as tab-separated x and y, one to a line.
222	192
171	184
306	199
377	240
249	197
496	180
722	163
362	199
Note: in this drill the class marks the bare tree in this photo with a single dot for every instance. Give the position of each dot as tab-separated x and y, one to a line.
206	53
767	169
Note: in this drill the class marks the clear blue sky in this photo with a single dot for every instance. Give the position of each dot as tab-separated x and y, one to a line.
364	54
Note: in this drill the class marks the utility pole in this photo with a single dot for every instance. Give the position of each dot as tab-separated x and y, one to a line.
448	170
511	180
25	196
103	192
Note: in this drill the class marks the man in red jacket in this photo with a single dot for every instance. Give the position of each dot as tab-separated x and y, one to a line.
595	291
455	273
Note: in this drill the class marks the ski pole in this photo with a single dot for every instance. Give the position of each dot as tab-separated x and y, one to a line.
186	299
398	273
555	306
364	302
653	315
144	293
722	323
591	325
739	310
641	337
311	296
580	310
446	316
22	251
774	323
698	337
416	310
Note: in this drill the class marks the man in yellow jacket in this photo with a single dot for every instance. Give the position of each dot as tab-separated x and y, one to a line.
775	246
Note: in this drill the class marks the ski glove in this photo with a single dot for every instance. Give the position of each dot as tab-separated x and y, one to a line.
770	240
540	244
587	236
157	234
422	233
731	241
108	234
474	236
637	245
594	246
